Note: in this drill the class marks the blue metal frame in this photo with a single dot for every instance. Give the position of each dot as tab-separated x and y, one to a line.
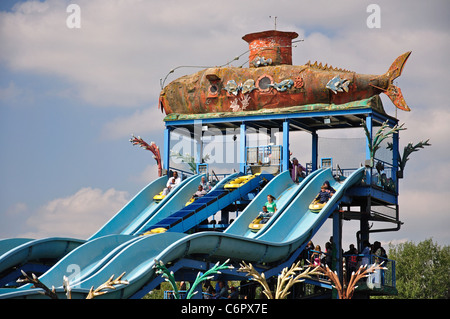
243	149
281	117
286	150
371	117
368	158
202	168
315	150
395	159
285	120
166	154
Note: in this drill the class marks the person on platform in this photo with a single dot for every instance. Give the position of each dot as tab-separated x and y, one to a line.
173	182
365	261
297	170
221	290
316	256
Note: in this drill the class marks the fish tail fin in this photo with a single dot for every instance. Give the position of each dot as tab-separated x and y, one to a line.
396	67
394	92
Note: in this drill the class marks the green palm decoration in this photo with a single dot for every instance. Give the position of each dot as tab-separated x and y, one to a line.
169	276
189	159
380	136
209	274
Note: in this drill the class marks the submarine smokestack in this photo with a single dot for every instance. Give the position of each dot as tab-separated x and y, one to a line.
270	47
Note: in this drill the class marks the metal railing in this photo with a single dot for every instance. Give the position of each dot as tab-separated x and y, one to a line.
383	175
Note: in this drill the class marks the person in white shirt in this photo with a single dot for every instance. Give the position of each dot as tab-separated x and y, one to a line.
200	192
173	182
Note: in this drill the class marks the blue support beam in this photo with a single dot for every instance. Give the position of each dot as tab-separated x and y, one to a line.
243	148
369	125
286	150
276	116
315	150
395	158
337	242
198	131
166	156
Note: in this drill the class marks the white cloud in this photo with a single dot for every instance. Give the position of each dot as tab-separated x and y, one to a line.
78	215
17	209
106	59
121	50
140	122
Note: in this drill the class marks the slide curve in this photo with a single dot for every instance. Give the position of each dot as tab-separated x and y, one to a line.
28	251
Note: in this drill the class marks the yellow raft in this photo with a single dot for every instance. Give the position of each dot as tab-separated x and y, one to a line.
155	231
158	197
190	201
316	207
240	181
256	224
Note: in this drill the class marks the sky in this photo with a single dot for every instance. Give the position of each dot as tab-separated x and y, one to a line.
71	96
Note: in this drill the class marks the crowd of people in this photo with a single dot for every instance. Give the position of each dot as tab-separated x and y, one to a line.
220	291
369	254
244	289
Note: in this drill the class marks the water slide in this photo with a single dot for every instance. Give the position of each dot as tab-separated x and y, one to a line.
27	253
142	207
215	200
290	230
283	189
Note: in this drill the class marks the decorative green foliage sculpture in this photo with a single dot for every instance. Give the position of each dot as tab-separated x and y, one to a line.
162	270
208	275
380	136
188	159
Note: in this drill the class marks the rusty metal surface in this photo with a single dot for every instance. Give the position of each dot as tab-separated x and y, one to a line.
273	45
